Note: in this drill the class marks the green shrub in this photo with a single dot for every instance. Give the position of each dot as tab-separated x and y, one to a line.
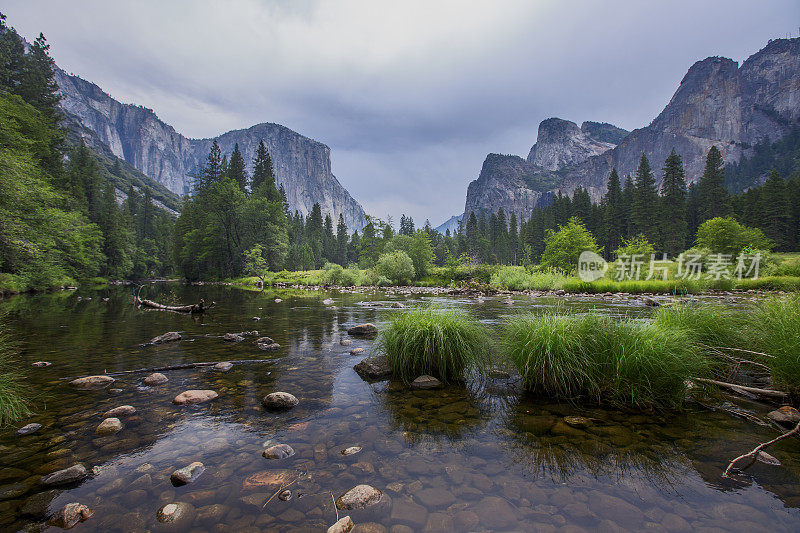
332	274
636	248
633	363
727	236
563	247
790	267
395	266
444	343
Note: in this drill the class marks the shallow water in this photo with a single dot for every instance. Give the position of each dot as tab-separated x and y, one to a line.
484	458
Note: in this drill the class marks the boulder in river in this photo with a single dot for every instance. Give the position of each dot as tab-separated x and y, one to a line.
279	401
29	428
122	410
194	396
232	337
223	366
264	340
38	505
345	342
170	336
67	476
359	497
269	347
179	514
156	378
375	368
785	416
109	426
363	329
343	525
356	351
92	382
187	474
426	382
279	451
70	515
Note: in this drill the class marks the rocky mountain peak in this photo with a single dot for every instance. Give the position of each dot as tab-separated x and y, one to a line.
561	144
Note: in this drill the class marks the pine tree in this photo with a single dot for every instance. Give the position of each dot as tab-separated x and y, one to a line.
315	234
328	240
341	241
38	86
513	239
673	205
614	218
774	210
263	173
645	202
714	199
213	169
628	194
237	170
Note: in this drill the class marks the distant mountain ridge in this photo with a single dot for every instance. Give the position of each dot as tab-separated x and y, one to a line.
717	103
136	135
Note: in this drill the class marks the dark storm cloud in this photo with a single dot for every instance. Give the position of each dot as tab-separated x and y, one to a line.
410	96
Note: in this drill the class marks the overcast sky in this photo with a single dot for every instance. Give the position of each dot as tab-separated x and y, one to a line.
410	96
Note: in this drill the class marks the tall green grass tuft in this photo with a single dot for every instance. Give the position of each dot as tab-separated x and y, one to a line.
707	325
14	402
775	324
517	278
624	363
444	343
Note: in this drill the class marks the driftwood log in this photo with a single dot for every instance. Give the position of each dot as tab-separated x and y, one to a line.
767	394
176	367
193	308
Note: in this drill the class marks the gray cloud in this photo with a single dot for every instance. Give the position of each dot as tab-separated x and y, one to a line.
410	96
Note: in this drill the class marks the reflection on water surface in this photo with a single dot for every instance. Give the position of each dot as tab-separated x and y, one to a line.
480	458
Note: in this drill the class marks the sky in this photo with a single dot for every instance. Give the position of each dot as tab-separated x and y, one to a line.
410	96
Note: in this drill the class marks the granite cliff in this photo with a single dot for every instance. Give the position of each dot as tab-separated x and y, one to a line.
136	135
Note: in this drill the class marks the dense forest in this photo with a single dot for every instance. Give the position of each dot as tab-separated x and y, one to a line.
64	216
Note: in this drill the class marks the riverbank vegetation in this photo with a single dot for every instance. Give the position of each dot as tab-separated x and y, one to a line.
14	399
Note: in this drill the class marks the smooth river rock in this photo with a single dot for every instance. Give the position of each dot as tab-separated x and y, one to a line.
375	368
187	474
279	401
426	382
785	416
343	525
155	379
359	497
356	351
73	474
92	382
232	337
223	367
279	451
179	514
29	428
122	410
109	426
194	396
170	336
363	329
70	515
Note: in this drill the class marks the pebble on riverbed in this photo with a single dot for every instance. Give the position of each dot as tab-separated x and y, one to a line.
359	497
70	515
155	379
187	474
343	525
356	351
223	367
426	382
122	410
28	429
352	450
375	368
179	514
194	396
279	401
279	451
109	426
363	329
67	476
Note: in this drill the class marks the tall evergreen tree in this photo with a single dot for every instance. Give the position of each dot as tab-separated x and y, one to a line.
614	220
341	241
628	195
264	174
673	205
714	198
645	202
774	210
213	169
237	169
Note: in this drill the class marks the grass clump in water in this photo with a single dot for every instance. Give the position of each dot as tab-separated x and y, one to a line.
708	326
775	324
623	363
444	343
13	398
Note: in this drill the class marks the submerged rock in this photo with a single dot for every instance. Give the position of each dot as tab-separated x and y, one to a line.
67	476
345	342
194	396
351	450
363	329
785	416
179	514
359	497
279	451
38	505
764	457
109	426
92	382
170	336
397	305
578	421
70	515
41	364
223	367
29	428
155	379
233	337
271	347
279	401
187	474
343	525
376	368
122	410
356	351
426	382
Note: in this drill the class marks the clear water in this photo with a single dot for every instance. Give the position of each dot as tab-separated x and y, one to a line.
484	458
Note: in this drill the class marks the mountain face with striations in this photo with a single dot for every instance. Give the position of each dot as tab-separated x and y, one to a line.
718	103
136	135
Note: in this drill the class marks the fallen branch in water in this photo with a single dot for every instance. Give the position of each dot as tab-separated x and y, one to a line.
176	367
753	455
193	308
745	391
